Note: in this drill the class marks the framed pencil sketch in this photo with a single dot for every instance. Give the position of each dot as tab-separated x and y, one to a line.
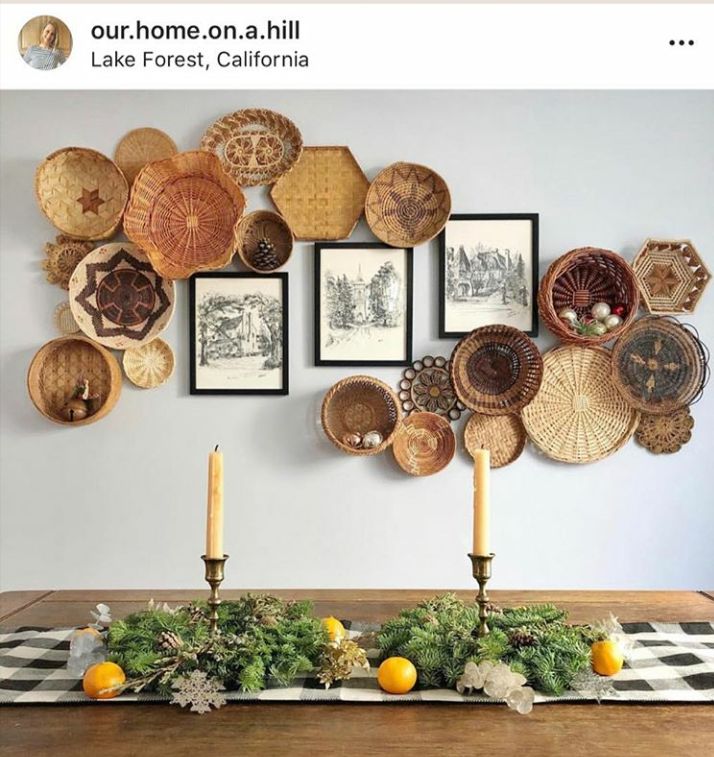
239	333
363	304
488	273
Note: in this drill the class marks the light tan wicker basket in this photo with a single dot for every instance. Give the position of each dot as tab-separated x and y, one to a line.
184	213
82	192
149	366
358	405
64	320
60	365
407	204
141	146
503	435
424	444
578	416
322	198
264	225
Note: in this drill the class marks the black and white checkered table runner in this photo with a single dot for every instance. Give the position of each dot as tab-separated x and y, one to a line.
670	662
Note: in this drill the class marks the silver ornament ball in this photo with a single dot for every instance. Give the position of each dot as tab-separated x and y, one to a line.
600	311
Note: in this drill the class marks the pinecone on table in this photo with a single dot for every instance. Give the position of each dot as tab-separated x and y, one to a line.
264	258
520	638
169	641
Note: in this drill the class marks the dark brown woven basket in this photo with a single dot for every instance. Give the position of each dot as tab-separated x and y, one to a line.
578	280
496	370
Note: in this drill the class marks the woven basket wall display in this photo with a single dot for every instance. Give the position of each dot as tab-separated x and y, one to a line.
255	146
265	241
496	370
82	192
407	204
578	280
355	406
322	198
424	444
118	299
61	258
503	435
578	416
659	365
65	322
60	365
426	387
671	275
149	366
184	213
141	146
665	434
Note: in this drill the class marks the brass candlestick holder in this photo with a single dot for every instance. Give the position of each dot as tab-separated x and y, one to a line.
481	565
215	568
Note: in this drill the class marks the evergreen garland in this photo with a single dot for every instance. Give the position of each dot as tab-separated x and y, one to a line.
440	636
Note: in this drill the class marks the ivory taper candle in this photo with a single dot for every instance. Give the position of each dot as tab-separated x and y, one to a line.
214	521
482	464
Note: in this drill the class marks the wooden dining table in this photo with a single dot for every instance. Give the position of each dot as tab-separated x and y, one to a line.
163	730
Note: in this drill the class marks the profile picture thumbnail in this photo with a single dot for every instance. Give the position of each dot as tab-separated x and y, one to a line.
45	42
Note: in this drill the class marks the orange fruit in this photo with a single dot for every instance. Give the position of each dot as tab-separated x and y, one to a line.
88	629
607	658
103	675
334	628
397	675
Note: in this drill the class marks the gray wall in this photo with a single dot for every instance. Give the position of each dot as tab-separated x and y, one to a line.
121	503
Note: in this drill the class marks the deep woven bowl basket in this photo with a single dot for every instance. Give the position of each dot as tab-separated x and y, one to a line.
60	365
360	404
659	365
496	370
82	192
503	435
578	280
578	416
184	213
424	444
264	225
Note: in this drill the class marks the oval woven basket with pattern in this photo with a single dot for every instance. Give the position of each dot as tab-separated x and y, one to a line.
496	370
659	365
184	213
82	192
60	365
255	146
264	226
503	435
578	416
141	146
424	444
578	280
407	204
358	405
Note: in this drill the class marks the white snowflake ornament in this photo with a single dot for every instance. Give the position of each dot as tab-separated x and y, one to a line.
102	617
521	699
198	690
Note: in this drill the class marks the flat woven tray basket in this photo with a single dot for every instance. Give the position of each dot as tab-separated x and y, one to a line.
141	146
578	280
407	204
255	146
358	405
503	435
659	365
263	226
184	213
82	192
424	444
578	416
60	365
496	370
149	366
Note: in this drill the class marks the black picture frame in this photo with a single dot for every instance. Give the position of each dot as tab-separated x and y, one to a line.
409	301
533	218
284	331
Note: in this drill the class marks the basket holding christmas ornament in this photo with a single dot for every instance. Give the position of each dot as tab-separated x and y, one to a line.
588	295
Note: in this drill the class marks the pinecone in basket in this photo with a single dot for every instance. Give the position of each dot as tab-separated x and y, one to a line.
264	258
170	641
519	639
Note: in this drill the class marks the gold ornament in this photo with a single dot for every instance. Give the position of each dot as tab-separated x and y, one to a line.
63	255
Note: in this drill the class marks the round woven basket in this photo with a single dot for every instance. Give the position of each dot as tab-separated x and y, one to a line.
358	405
60	365
255	146
665	434
496	370
407	204
141	146
424	444
426	387
578	280
659	365
578	416
264	225
149	366
82	192
184	213
62	257
64	320
503	435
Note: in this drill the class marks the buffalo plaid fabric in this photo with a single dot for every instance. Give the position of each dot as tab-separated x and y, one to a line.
670	662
